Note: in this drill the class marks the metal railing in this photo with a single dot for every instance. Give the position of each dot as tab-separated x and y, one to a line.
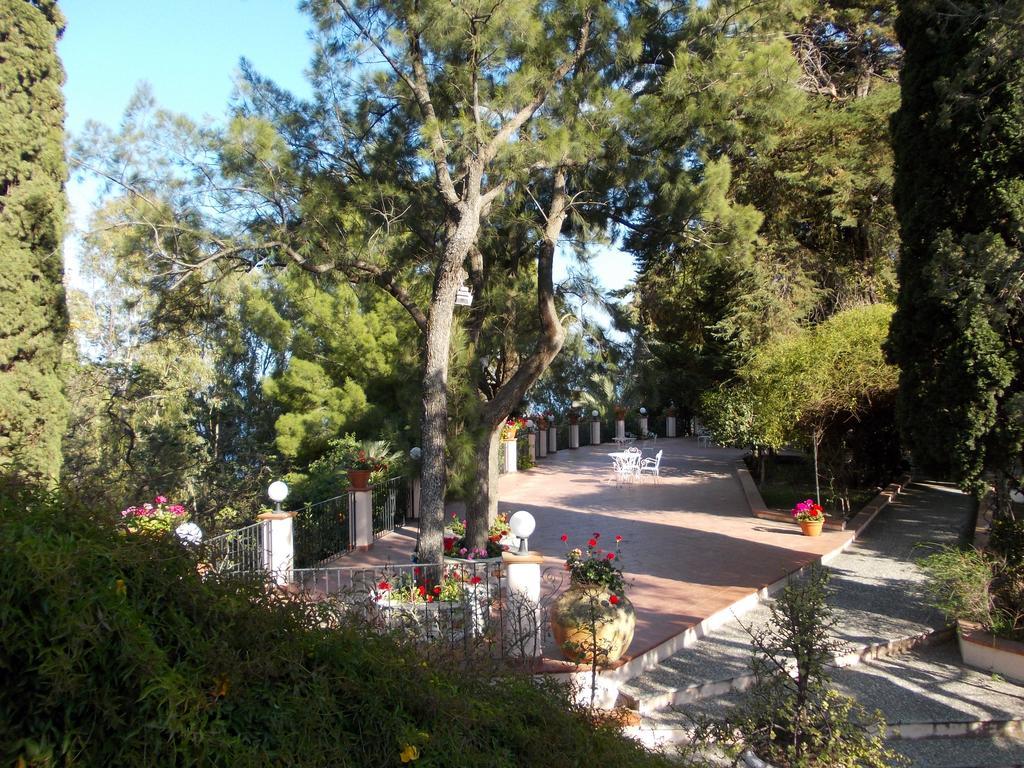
323	530
390	505
243	550
459	604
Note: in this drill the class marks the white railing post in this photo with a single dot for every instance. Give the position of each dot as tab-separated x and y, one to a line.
532	442
643	426
524	630
552	438
278	551
511	456
670	426
620	428
414	498
360	504
595	431
574	435
542	442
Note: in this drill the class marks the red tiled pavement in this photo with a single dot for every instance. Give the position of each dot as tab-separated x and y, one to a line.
690	545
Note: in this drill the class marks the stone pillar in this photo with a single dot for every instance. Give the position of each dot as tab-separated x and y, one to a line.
542	442
511	456
595	432
643	426
552	439
574	435
278	555
620	428
670	426
523	630
533	446
360	504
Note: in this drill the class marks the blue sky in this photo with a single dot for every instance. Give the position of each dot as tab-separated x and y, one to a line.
188	51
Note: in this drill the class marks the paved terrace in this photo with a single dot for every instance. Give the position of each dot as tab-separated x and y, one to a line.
690	545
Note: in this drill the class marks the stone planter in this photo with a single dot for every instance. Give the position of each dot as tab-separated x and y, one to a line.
585	624
993	654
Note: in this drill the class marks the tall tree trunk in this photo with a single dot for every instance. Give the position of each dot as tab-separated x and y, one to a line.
483	503
436	353
484	499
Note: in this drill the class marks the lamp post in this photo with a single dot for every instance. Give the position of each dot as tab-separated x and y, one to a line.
278	492
522	525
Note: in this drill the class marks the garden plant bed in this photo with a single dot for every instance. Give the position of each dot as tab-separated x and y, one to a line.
790	480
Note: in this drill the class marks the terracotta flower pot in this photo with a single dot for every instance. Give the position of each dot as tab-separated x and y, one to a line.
811	527
586	622
359	479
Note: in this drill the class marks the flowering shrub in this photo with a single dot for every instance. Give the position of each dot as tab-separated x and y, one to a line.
455	545
596	566
412	588
156	518
512	428
809	510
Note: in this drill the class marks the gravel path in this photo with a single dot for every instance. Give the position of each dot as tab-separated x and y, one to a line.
876	598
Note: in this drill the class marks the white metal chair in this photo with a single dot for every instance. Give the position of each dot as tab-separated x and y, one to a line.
626	468
651	467
703	439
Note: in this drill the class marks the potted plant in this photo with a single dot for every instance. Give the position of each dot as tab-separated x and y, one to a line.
455	546
593	621
574	416
433	609
364	459
155	519
984	594
620	412
811	517
511	428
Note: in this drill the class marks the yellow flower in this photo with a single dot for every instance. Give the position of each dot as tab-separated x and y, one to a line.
120	588
409	753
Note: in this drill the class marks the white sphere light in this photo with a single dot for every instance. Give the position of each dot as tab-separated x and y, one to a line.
189	533
415	453
643	411
522	524
278	491
594	412
530	424
1017	496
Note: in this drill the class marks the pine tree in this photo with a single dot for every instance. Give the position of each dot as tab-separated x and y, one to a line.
958	333
33	316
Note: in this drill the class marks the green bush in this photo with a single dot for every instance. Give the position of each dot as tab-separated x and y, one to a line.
115	652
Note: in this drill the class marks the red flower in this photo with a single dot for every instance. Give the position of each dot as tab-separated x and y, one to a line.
417	570
430	598
384	585
564	538
597	535
421	589
437	590
613	599
592	543
611	555
618	539
474	580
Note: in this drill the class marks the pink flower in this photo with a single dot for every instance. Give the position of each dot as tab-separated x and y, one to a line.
160	500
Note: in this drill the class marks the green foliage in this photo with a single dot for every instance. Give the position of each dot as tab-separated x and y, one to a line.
116	652
790	716
978	587
762	197
33	315
812	378
958	333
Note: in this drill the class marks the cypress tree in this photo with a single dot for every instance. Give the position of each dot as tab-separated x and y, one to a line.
33	315
958	333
